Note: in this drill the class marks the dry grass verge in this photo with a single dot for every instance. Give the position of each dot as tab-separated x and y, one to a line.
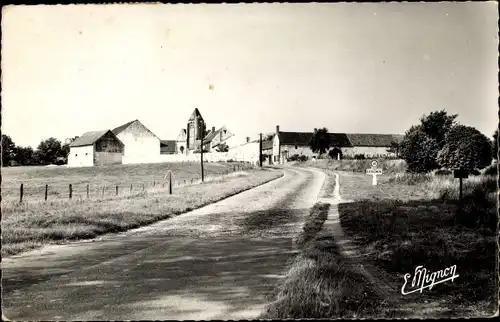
33	225
426	225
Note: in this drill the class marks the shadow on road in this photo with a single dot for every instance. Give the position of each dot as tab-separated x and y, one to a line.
159	277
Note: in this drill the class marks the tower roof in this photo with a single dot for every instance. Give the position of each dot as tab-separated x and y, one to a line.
195	114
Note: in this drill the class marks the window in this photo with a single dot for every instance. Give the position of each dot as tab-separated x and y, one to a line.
76	155
86	154
295	146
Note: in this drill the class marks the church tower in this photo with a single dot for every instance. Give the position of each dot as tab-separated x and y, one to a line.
195	129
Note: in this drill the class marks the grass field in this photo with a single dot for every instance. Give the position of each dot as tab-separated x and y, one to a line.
360	166
408	221
31	225
35	178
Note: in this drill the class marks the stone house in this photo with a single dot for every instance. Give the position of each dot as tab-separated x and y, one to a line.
286	144
95	148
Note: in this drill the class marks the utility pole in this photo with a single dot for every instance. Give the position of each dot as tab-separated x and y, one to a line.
260	151
201	152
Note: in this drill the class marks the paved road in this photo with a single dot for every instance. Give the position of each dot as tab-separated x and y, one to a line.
217	262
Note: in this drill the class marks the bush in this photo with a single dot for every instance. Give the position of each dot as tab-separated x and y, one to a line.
419	151
359	157
294	157
303	158
443	172
492	170
465	147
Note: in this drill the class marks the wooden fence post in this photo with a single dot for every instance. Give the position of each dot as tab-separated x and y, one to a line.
130	188
88	191
117	190
170	181
143	187
46	191
154	184
103	191
70	191
21	192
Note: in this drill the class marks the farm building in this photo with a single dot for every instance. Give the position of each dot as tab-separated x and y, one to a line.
95	148
287	144
168	147
215	137
141	145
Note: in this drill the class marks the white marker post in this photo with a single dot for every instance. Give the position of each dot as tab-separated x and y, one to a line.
374	171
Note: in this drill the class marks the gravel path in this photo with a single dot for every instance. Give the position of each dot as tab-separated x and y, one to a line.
216	262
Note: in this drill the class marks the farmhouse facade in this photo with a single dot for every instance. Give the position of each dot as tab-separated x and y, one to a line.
287	144
95	148
141	145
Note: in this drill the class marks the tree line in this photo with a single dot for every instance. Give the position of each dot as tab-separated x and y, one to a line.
49	151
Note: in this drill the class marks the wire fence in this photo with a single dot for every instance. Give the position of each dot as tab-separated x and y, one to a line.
31	192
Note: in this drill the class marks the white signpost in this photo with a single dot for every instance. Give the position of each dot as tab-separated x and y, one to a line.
374	171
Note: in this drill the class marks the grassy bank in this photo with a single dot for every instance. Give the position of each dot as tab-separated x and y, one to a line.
321	283
418	220
26	226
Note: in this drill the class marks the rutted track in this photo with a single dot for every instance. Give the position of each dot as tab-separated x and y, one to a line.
219	261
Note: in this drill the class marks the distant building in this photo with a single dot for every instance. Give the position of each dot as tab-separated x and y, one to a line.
141	145
286	144
95	148
215	138
168	147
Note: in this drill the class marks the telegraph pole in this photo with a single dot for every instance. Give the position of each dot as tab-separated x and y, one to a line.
201	152
260	151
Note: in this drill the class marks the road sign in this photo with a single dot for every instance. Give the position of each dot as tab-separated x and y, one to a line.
461	173
373	171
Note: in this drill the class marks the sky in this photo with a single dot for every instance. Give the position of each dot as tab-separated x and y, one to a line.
349	67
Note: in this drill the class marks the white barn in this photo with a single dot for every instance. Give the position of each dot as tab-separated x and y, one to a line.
95	148
141	145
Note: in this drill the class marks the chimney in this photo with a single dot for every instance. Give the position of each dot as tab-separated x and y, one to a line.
277	128
213	129
248	139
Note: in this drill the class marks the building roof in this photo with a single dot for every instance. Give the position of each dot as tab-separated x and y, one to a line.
303	138
121	128
89	138
167	146
375	140
196	113
267	145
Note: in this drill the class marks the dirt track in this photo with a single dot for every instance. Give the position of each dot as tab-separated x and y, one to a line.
216	262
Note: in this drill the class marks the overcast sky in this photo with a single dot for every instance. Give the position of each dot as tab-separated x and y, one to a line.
358	67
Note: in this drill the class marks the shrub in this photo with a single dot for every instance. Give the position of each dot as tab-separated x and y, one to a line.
492	170
419	151
465	147
302	158
409	178
294	157
443	172
359	157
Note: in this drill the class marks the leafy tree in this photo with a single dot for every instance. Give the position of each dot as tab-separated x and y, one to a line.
419	150
320	141
268	136
8	150
395	148
24	155
49	150
494	145
465	147
223	147
437	124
